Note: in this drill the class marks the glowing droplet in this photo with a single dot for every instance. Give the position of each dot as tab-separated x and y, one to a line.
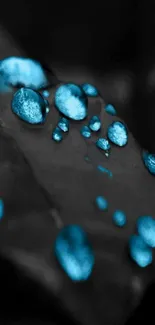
71	101
45	93
118	134
90	90
101	203
85	131
1	208
22	71
103	144
105	170
149	161
64	124
119	218
95	124
57	135
110	110
146	229
140	252
74	253
29	105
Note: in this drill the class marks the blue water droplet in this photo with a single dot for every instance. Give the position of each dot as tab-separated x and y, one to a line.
1	208
47	105
63	124
29	106
85	131
140	252
45	93
149	161
119	218
22	71
71	101
110	109
90	90
105	170
74	252
103	144
95	124
146	229
118	134
57	135
101	203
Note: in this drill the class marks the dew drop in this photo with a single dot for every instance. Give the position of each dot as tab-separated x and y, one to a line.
101	203
149	162
105	170
89	90
63	124
85	131
23	71
146	229
45	93
74	253
57	135
140	252
1	208
29	106
110	109
71	101
118	134
119	218
104	145
95	124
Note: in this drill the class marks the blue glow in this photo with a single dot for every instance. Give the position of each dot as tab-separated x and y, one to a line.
110	110
63	124
71	101
95	124
85	132
146	229
22	71
118	134
149	162
119	218
140	252
90	90
105	170
45	93
103	144
1	208
29	105
74	253
57	135
101	203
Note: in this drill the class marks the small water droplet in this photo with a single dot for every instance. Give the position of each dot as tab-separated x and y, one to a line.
110	109
29	105
57	135
63	124
117	134
101	203
90	90
105	170
149	161
85	131
146	229
104	145
74	252
119	218
140	252
71	101
45	93
1	208
95	124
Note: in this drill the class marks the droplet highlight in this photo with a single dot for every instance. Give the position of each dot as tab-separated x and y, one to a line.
1	209
85	132
118	134
89	90
101	203
57	135
74	253
110	109
140	252
119	218
149	162
146	229
103	144
105	170
71	101
95	124
63	124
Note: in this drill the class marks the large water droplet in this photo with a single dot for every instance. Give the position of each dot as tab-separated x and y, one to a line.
63	124
85	131
57	135
146	229
119	218
22	71
103	144
110	109
105	170
140	252
90	90
29	105
1	208
149	161
95	124
71	101
118	134
74	252
101	203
